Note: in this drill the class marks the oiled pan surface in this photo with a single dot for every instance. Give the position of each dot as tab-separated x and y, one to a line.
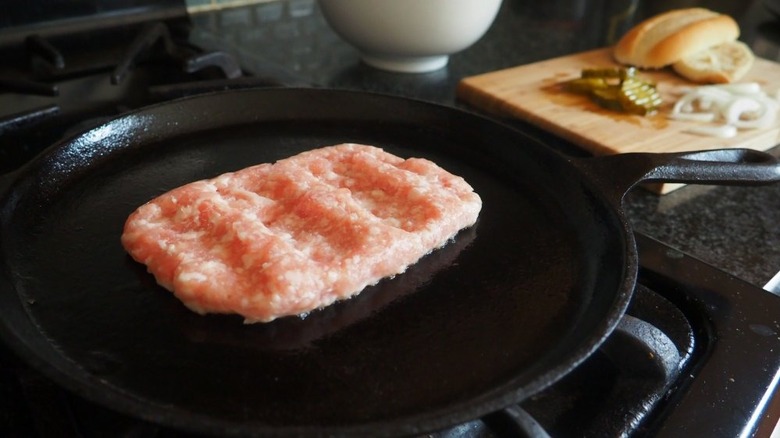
495	315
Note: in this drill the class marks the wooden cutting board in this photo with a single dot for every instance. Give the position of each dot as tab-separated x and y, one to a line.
534	93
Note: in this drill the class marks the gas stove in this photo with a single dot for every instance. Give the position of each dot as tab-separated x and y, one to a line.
57	82
694	355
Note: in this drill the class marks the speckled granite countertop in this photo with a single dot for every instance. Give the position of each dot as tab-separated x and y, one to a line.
736	229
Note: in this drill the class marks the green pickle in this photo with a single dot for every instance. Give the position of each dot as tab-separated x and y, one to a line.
617	89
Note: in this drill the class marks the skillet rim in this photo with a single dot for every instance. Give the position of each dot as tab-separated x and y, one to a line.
488	402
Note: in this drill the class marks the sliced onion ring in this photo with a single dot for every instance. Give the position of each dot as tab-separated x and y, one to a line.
736	106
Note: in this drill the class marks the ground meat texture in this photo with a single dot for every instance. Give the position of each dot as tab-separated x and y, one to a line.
287	238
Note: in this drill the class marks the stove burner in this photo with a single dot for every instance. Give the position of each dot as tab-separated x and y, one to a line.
224	61
54	84
141	45
26	86
21	120
38	46
193	62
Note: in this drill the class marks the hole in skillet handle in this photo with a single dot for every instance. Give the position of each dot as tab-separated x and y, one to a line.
615	175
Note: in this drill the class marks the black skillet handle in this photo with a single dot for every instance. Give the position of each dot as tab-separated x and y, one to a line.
617	174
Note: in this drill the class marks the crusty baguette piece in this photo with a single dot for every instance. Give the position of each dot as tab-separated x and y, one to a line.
721	64
666	38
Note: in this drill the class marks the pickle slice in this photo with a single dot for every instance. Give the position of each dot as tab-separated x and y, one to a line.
618	89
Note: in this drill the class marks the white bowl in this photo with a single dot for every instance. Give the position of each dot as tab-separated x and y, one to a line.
411	36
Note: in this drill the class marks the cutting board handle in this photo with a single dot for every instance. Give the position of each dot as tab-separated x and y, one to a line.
617	174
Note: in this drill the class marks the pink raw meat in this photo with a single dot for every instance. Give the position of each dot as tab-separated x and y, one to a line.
287	238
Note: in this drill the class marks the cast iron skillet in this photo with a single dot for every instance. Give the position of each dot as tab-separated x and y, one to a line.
504	310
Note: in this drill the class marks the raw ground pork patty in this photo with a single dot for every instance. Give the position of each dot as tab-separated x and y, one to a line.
286	238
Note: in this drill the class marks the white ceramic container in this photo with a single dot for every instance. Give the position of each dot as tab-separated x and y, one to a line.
412	36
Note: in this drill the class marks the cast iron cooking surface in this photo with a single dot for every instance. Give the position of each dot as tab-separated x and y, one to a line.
473	326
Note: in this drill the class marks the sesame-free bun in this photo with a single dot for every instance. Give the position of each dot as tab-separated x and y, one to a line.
666	38
721	64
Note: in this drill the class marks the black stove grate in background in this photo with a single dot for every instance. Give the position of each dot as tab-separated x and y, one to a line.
49	85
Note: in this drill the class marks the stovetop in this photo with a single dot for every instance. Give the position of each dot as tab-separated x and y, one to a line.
696	353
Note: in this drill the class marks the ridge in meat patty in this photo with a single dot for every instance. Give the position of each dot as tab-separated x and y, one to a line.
286	238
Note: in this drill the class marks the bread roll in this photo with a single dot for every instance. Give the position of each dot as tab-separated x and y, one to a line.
724	63
666	38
